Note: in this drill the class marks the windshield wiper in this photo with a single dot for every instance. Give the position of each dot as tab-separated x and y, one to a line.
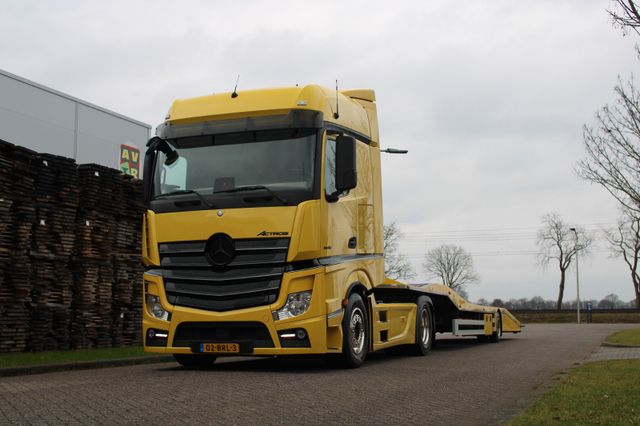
255	188
184	192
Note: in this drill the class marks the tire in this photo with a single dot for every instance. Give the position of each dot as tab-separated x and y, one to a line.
424	328
497	335
195	362
355	333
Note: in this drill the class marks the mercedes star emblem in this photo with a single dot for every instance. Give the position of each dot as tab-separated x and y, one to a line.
220	250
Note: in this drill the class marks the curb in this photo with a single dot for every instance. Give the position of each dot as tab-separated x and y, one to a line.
618	345
83	365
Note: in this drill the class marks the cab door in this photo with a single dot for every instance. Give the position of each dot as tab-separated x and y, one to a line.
342	208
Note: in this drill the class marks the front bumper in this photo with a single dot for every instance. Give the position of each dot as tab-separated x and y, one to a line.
314	322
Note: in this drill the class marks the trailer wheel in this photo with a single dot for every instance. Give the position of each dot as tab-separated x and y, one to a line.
355	330
195	362
424	328
495	337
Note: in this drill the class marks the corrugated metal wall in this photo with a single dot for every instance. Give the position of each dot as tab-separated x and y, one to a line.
46	120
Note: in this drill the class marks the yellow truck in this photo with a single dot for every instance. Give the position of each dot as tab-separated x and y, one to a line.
263	235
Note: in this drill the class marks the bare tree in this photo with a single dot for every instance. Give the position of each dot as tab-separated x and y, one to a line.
625	15
559	244
625	242
537	302
610	301
613	144
613	148
396	265
451	264
498	303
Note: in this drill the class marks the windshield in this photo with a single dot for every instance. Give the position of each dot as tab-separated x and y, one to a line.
278	163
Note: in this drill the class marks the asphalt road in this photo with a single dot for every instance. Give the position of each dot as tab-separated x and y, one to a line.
460	382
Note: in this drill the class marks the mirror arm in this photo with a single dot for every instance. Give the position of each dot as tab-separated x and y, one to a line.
153	146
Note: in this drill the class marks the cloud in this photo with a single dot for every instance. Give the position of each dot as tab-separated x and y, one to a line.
488	97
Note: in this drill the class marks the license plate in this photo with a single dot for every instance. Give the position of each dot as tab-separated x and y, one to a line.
219	348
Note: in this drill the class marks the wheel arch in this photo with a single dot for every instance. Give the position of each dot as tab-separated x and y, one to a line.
357	287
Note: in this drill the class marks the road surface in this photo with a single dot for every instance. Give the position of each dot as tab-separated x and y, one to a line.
460	382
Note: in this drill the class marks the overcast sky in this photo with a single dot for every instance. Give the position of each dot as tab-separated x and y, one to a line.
489	97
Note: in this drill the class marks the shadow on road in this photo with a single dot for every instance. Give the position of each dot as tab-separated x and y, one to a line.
289	364
319	364
456	344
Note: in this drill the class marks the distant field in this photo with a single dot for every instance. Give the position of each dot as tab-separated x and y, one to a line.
564	315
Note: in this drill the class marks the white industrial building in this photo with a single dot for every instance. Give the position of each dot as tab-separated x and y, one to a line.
47	121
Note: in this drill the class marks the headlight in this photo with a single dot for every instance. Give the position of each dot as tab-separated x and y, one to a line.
297	304
155	308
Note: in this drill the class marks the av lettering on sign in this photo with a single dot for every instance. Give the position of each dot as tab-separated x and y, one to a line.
130	160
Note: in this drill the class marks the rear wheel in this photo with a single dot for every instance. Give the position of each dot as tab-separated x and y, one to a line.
495	337
196	362
355	330
424	328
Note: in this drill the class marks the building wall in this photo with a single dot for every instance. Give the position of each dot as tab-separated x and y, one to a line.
45	120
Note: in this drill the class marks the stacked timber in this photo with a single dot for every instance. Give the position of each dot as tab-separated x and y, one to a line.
93	268
15	290
108	264
9	324
128	267
70	266
53	238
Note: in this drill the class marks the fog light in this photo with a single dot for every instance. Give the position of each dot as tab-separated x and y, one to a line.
154	306
294	338
157	338
297	304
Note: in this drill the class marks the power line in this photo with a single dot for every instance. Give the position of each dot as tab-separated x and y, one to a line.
490	230
500	253
491	234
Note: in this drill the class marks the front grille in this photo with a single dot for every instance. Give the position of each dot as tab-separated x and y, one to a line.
251	279
255	333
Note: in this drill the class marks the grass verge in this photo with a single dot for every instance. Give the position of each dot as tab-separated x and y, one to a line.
597	393
625	337
26	359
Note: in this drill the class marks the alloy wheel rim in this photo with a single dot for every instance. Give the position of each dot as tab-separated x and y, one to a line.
356	327
424	322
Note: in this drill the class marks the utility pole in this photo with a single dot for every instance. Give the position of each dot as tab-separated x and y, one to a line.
577	275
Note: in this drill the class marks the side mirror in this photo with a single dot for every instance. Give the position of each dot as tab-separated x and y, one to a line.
147	175
154	145
346	174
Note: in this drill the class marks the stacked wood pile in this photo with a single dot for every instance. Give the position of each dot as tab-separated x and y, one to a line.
107	259
70	266
55	194
15	282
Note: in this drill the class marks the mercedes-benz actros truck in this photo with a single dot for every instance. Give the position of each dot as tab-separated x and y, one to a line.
263	235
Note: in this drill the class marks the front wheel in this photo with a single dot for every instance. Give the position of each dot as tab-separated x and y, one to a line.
355	330
195	362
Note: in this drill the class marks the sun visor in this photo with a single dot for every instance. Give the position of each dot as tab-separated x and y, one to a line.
295	119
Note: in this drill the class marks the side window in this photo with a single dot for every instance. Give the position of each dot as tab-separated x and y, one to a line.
330	170
174	177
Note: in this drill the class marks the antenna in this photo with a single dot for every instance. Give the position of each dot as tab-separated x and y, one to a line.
336	114
235	94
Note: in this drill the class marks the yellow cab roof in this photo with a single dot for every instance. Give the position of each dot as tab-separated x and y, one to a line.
263	102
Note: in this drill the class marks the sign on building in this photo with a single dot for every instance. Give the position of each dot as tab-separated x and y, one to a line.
130	160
